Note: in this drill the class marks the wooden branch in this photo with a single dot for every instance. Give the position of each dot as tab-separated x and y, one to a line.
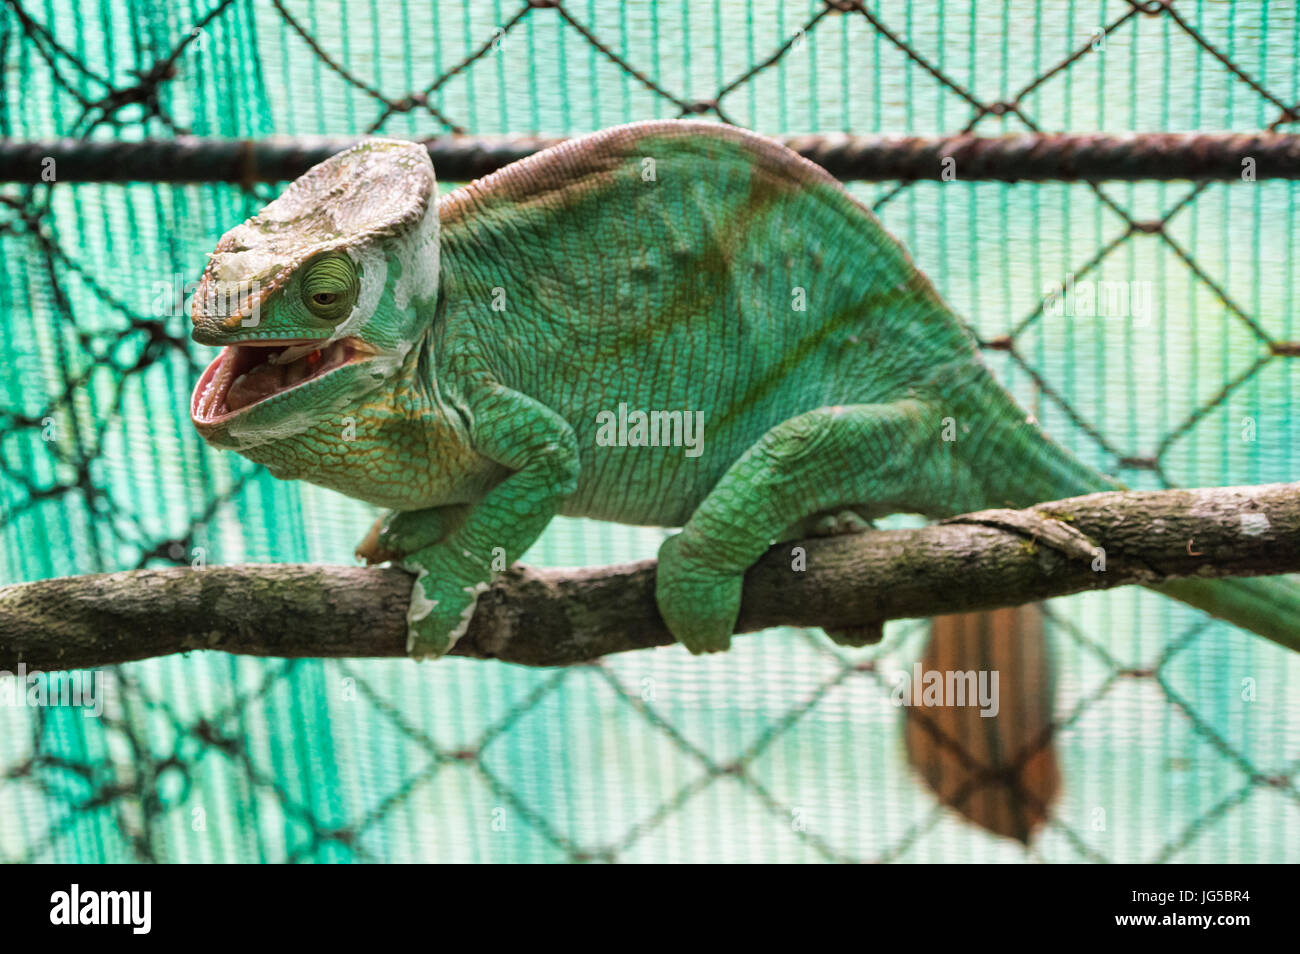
550	617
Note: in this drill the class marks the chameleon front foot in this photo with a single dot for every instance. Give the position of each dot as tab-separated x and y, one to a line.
699	604
371	550
396	534
442	605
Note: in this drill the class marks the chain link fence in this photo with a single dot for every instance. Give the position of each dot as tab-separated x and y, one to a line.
1177	736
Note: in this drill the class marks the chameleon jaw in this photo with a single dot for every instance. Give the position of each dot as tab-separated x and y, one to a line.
247	374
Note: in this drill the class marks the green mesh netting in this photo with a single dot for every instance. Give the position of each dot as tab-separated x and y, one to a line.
785	748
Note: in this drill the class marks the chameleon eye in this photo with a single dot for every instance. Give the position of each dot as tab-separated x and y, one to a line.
329	287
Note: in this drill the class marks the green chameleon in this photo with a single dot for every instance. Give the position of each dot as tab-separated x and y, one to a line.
666	323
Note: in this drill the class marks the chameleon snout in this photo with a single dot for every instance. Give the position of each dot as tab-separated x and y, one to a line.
216	329
205	333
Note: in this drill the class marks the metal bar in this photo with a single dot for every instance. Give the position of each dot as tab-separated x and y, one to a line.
1089	157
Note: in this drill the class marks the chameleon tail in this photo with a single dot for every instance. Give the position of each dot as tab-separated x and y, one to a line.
996	768
1266	605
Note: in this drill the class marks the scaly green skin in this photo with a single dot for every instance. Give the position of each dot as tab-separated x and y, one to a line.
673	266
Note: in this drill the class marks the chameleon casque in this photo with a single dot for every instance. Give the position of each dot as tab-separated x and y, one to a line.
452	360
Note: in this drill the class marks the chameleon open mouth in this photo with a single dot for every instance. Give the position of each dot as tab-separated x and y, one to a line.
252	372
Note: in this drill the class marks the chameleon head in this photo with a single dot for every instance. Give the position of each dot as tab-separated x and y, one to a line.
317	299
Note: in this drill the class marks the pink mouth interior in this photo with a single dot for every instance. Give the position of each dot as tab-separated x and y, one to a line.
247	374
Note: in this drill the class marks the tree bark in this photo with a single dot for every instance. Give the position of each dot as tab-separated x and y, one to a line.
547	617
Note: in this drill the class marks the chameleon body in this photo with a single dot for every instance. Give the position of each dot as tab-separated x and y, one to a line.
477	365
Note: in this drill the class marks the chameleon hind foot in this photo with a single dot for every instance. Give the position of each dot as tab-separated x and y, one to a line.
804	467
699	603
856	637
839	523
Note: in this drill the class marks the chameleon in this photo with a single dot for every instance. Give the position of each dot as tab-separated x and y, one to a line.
668	323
